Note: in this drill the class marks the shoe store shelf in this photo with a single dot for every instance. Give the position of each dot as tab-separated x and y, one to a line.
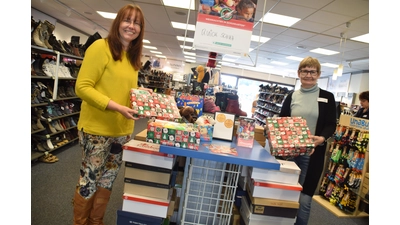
36	155
156	80
40	104
52	52
49	135
269	102
59	117
53	100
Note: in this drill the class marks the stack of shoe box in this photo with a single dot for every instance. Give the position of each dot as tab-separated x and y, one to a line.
149	178
273	195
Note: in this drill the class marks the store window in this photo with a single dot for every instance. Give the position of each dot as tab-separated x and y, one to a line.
229	81
247	92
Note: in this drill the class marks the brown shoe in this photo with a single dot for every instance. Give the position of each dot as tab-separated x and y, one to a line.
101	198
82	208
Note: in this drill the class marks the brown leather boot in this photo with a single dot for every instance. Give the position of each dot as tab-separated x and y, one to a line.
233	106
101	198
82	208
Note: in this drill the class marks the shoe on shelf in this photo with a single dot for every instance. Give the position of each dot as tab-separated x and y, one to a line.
46	158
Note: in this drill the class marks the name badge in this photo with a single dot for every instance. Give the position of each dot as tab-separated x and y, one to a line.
322	100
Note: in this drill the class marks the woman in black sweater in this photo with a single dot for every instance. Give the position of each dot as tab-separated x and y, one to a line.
363	112
318	107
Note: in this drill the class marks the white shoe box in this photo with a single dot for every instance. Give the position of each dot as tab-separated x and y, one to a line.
288	173
147	153
146	189
267	189
254	219
148	173
146	205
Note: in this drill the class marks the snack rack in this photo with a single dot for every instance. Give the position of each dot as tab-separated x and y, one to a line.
210	192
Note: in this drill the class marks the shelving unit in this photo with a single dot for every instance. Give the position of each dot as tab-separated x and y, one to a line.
344	182
55	107
159	81
269	102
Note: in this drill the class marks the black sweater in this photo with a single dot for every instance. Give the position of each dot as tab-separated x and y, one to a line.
326	125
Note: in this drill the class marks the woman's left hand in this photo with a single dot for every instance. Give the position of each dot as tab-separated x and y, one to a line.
146	89
318	140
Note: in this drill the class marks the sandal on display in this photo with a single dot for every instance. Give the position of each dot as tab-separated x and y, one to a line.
47	159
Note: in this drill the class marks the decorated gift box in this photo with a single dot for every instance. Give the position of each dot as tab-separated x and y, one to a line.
194	101
181	135
245	132
289	136
155	105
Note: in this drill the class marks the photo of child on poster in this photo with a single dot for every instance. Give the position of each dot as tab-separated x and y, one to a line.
243	10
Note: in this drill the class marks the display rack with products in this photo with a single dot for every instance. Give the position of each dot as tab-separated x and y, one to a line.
269	103
157	80
54	105
344	184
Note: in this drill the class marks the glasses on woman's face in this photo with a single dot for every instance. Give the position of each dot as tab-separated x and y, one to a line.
304	73
128	22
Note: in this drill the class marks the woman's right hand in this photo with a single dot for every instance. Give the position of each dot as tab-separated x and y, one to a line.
128	112
124	110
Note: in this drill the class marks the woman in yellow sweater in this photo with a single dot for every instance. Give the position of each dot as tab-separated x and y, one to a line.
108	71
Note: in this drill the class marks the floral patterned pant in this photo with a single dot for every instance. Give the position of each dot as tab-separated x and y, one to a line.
101	161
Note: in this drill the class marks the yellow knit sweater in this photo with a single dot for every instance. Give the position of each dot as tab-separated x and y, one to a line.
100	79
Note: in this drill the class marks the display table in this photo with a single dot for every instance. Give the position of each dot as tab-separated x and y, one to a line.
210	179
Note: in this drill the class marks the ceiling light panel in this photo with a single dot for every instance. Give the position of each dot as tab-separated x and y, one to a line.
257	38
189	53
156	52
161	56
189	60
183	26
331	65
278	19
180	38
294	58
362	38
279	63
183	4
107	15
149	47
146	41
189	57
187	47
324	51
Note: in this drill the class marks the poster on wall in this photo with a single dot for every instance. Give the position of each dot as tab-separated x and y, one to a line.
341	84
157	63
225	27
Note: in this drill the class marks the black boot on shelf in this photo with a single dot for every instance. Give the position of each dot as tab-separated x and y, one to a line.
91	39
221	100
